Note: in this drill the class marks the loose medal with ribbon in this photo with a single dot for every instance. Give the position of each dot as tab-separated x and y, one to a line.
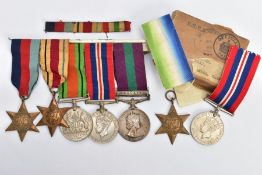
134	124
54	66
207	128
25	67
172	66
101	89
74	90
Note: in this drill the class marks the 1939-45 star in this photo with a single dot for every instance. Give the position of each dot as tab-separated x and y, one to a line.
22	121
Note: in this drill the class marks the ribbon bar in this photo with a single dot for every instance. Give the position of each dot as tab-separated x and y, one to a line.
88	27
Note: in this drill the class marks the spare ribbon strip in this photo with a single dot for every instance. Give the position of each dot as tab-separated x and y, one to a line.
167	52
238	74
75	85
88	27
25	65
100	71
54	61
130	67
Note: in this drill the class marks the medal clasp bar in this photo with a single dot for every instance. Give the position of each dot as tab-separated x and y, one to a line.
132	93
218	108
133	97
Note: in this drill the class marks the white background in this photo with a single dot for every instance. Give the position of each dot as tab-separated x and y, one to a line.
239	152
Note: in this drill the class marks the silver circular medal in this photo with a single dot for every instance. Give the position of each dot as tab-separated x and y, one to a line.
134	125
105	127
207	128
80	124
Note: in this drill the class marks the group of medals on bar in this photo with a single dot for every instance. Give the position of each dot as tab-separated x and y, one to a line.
103	72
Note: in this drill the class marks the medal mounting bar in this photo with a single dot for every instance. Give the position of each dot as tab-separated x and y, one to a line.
99	102
218	107
72	100
145	46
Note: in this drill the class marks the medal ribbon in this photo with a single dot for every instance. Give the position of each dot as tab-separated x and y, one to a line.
130	67
25	53
100	71
75	85
54	61
238	74
167	52
88	27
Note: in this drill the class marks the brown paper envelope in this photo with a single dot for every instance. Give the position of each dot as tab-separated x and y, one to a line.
206	46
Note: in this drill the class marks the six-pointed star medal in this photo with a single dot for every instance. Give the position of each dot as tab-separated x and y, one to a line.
22	121
172	124
53	116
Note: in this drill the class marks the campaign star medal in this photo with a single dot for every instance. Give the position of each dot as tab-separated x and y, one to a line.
172	123
54	66
24	76
52	116
22	121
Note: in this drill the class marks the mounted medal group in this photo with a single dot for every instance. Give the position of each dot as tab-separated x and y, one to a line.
104	72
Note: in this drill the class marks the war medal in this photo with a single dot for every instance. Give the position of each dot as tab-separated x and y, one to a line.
134	124
101	89
54	65
207	128
24	76
172	66
74	90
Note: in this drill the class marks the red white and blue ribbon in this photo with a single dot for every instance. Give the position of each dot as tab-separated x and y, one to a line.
238	74
100	71
25	64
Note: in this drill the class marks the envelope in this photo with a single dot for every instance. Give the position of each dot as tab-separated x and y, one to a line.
206	46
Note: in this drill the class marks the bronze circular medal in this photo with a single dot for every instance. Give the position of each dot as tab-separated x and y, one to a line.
207	129
222	44
105	127
134	125
80	124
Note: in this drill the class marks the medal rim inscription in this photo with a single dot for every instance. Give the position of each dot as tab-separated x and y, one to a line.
114	132
87	133
123	117
207	115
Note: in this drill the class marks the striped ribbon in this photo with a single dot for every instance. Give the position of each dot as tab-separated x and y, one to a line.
75	85
130	67
25	54
88	27
238	74
167	52
100	71
54	61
